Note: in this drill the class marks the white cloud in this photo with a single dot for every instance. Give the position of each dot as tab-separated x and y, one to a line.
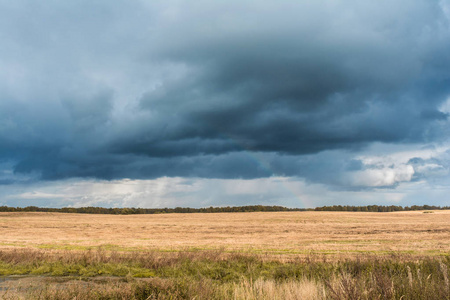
198	192
397	164
445	106
432	170
381	177
39	195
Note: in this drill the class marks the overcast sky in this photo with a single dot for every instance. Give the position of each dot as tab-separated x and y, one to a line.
199	103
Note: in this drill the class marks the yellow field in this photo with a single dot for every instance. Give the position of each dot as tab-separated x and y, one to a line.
268	232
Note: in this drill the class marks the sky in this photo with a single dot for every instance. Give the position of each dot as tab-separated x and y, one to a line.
224	103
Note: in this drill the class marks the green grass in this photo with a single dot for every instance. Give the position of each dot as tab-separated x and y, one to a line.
108	247
183	275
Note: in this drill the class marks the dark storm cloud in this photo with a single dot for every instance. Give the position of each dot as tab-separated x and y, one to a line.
274	82
143	90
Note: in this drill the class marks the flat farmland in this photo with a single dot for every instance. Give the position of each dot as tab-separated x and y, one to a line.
258	255
279	233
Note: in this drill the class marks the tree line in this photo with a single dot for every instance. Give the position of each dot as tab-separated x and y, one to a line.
132	210
379	208
211	209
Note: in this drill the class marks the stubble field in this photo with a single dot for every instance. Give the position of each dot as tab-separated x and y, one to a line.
272	232
263	255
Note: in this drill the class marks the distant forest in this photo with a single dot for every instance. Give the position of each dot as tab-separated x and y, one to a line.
251	208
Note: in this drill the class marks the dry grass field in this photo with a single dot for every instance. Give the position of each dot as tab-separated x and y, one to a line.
259	255
272	232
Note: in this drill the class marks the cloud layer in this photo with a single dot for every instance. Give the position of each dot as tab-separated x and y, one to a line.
230	90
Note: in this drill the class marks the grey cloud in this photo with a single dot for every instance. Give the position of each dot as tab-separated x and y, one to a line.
430	168
144	90
331	89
